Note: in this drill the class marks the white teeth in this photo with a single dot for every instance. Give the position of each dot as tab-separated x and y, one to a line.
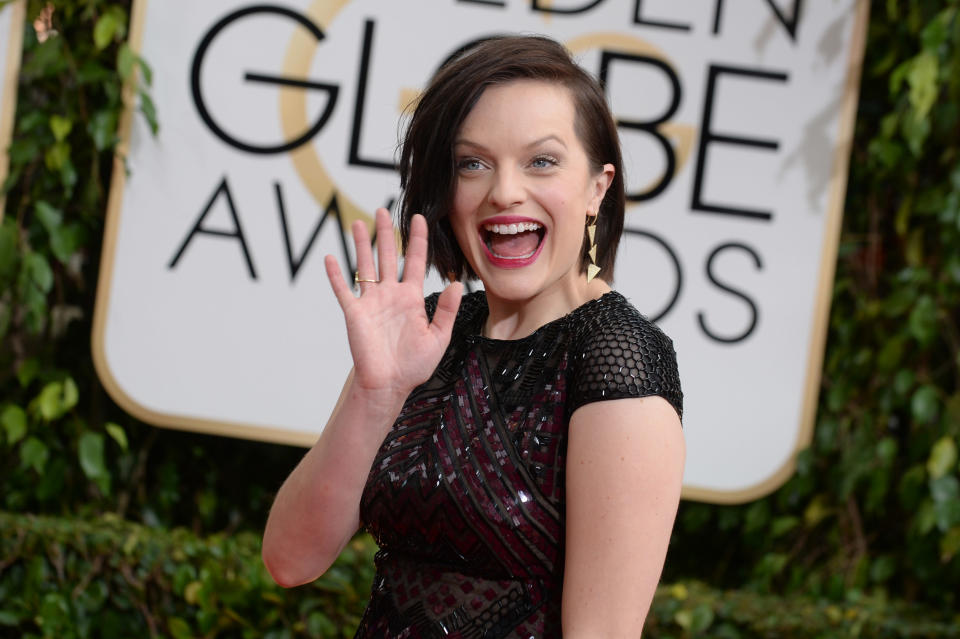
512	229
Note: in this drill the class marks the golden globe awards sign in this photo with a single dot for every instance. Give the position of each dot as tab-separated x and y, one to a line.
11	40
279	126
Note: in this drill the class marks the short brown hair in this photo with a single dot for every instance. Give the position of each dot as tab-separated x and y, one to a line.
427	171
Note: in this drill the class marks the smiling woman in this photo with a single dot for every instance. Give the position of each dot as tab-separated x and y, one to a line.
516	452
519	162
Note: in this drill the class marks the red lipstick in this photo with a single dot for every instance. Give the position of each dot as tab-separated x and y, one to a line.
510	262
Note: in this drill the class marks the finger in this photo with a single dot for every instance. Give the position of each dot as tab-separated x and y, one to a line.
386	246
415	259
366	269
340	287
447	305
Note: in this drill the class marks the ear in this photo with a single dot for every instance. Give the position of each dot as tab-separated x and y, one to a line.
601	182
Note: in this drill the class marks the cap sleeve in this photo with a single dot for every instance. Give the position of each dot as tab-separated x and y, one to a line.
619	354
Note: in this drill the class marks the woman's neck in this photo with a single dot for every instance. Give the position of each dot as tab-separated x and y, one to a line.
515	319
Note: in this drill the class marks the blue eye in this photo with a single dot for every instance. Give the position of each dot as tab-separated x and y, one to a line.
469	164
543	162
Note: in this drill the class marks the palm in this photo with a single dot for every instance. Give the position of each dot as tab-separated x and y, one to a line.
394	345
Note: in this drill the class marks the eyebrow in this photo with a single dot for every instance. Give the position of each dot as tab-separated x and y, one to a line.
531	145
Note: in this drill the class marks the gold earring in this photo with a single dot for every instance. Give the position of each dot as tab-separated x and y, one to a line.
592	268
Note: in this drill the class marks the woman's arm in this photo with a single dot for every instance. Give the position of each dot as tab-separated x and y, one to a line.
317	510
623	477
395	348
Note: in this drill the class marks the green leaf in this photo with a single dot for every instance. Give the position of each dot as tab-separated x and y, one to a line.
890	355
38	271
783	525
126	61
34	453
887	450
943	457
54	614
149	111
946	502
90	452
702	618
816	511
923	320
191	594
924	404
50	217
179	628
14	421
926	518
684	619
103	129
68	175
57	155
922	78
111	25
936	32
27	371
56	399
61	127
883	568
944	489
118	434
70	394
65	241
915	131
903	381
757	516
145	70
48	401
8	618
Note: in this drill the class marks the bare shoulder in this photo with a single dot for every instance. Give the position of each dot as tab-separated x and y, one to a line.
624	473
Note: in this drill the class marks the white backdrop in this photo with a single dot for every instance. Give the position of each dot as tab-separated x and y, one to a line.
206	319
11	39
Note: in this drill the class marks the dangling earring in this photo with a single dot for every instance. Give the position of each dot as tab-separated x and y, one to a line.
592	268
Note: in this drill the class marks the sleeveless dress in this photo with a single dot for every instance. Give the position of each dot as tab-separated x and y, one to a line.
466	495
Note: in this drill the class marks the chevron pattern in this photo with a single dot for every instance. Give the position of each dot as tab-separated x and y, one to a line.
466	494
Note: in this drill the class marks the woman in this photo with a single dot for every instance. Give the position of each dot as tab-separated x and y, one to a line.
517	453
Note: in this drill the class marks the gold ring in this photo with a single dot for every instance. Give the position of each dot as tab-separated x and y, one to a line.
357	279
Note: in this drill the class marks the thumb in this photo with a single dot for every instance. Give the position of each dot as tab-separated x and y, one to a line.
447	305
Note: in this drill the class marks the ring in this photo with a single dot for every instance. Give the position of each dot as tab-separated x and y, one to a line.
357	279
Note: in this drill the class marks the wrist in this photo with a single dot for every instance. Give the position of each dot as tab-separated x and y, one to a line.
382	404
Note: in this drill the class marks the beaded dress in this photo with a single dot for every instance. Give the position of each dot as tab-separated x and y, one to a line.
466	494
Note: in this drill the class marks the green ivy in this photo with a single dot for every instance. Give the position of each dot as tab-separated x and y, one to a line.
64	445
875	503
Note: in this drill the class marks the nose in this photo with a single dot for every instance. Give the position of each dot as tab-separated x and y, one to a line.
507	189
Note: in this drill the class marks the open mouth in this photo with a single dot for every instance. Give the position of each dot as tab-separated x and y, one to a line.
519	241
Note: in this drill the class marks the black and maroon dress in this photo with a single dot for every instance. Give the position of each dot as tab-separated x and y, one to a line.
466	495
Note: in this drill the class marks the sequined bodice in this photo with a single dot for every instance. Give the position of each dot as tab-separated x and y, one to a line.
466	495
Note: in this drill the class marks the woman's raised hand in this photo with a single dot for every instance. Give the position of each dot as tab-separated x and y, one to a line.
394	346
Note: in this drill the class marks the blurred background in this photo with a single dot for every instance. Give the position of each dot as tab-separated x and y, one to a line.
113	527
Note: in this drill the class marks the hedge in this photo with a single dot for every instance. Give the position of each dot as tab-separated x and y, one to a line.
68	578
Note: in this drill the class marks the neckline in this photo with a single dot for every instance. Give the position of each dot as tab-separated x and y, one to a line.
484	311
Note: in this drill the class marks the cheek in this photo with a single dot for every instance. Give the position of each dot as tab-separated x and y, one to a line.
460	218
466	199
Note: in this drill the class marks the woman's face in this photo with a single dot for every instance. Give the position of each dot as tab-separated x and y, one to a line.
523	192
